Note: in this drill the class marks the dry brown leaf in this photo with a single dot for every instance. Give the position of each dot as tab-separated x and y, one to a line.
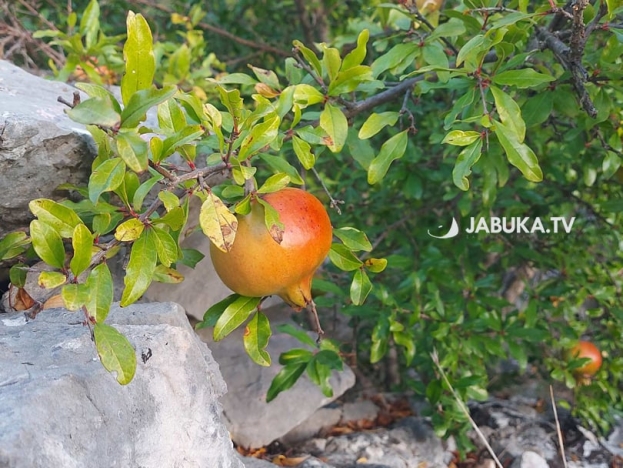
23	301
282	460
54	302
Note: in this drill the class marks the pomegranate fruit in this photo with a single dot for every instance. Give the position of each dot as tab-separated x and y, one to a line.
259	266
586	349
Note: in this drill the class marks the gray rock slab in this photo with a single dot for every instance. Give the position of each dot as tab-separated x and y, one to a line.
40	147
359	410
60	408
322	419
251	421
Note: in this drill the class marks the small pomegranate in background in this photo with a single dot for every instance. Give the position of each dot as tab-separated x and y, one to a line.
585	349
257	265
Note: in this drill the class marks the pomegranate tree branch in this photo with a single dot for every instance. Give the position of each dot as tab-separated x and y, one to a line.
571	60
383	97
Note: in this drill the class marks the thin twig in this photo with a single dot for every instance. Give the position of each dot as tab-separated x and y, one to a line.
435	358
333	202
558	431
303	64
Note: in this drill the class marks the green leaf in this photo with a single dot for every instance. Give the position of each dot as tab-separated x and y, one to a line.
279	164
519	154
233	102
171	117
333	121
471	52
18	275
510	113
375	265
611	164
303	152
353	238
260	136
61	218
105	178
51	279
163	274
397	59
360	287
169	200
358	54
140	269
331	61
268	77
138	54
141	101
237	78
274	183
179	62
82	243
211	316
166	247
310	56
347	81
284	380
461	138
614	206
524	78
115	352
98	91
403	339
235	315
392	149
89	24
47	243
13	244
143	191
271	219
101	290
129	230
183	137
434	54
218	223
463	166
95	111
538	108
299	334
133	150
75	295
175	219
377	122
256	337
343	258
191	257
306	95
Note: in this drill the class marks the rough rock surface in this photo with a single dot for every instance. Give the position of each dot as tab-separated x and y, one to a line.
40	147
409	443
256	423
60	408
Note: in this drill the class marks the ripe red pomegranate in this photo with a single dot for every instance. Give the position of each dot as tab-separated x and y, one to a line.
586	349
258	266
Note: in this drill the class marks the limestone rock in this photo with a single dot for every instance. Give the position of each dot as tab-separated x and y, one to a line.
251	421
60	407
40	147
